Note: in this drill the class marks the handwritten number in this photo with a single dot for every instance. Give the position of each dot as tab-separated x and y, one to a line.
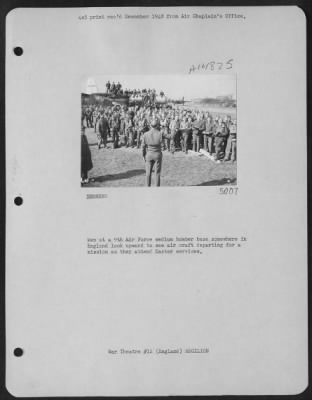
213	65
229	63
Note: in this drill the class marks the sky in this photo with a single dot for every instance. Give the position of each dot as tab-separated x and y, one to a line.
174	86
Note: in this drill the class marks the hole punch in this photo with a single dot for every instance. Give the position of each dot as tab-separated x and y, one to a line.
18	352
18	201
18	51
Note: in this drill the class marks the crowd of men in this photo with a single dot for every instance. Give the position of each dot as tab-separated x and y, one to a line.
181	128
114	88
146	95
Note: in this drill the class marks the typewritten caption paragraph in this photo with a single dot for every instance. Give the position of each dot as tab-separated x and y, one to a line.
179	245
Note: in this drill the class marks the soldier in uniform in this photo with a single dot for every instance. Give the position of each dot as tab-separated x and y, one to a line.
208	135
108	86
142	128
96	117
129	129
174	131
115	129
220	135
103	131
231	143
83	115
164	130
198	128
113	88
132	132
186	128
118	87
122	129
89	118
151	151
166	134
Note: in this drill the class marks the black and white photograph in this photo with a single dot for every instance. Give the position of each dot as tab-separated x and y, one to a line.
152	130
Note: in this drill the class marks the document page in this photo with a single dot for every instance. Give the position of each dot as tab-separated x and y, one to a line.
156	201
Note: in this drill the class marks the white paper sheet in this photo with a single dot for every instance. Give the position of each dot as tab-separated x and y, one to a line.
234	319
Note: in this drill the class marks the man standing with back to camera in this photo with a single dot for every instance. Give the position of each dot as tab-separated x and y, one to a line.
151	151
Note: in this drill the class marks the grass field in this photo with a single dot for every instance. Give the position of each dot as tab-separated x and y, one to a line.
125	167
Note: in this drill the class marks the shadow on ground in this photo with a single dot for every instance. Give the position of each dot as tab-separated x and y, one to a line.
122	175
218	182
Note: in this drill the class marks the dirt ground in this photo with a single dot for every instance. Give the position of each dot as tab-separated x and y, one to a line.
125	167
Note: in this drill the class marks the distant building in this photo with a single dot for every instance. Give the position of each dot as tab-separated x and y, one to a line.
224	98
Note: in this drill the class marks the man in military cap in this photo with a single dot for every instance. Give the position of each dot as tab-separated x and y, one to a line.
151	151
